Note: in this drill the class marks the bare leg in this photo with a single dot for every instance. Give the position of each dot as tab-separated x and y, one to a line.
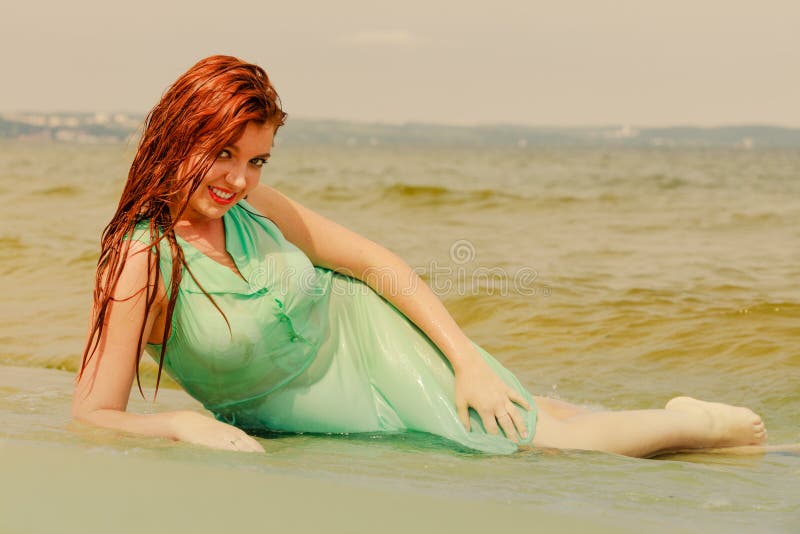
684	423
558	408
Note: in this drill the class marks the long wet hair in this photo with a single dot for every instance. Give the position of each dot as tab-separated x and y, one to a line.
208	107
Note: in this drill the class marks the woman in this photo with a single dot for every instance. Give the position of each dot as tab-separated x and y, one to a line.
277	318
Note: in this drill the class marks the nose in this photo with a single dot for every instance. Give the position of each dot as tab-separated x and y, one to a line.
236	177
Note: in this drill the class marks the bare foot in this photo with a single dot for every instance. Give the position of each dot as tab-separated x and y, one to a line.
729	426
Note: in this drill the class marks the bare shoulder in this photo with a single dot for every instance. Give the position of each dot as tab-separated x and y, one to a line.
138	279
139	271
325	242
300	225
282	210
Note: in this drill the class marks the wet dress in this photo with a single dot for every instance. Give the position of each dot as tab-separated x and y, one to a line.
308	349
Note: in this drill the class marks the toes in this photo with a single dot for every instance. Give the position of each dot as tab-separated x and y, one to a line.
760	434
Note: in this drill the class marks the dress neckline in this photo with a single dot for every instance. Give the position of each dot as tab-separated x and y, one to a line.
226	223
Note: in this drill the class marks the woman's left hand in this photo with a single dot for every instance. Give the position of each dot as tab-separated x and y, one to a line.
478	387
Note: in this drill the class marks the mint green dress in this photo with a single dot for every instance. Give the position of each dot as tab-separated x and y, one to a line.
308	349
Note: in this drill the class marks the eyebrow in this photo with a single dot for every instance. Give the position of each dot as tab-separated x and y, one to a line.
265	155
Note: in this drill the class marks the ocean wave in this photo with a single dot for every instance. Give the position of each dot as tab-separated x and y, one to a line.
666	182
411	195
435	194
742	220
778	308
86	258
60	191
11	244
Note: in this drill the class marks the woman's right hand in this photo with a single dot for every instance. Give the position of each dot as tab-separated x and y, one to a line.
196	428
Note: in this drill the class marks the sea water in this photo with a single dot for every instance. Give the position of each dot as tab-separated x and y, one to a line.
612	278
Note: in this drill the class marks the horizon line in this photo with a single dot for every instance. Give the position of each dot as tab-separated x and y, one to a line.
382	122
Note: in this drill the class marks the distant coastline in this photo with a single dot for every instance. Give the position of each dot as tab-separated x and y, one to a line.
113	128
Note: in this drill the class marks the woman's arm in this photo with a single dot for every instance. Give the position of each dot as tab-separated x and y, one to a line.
101	392
330	245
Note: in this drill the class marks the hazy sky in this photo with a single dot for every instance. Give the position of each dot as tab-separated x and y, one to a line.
563	62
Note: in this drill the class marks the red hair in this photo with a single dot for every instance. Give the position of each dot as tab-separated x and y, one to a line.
206	108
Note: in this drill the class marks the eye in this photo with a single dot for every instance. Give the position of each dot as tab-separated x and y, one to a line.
258	162
224	154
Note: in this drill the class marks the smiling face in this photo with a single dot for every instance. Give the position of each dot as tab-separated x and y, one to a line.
235	172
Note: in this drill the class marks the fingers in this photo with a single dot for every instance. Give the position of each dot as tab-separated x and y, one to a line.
517	397
498	405
510	419
507	424
518	419
243	443
249	445
463	414
490	422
